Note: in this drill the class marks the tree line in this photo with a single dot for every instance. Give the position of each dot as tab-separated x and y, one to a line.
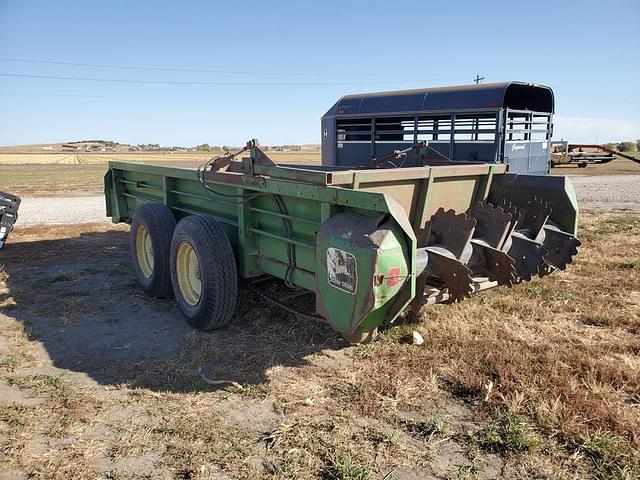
625	146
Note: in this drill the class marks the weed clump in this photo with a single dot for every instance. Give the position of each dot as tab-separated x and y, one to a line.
510	434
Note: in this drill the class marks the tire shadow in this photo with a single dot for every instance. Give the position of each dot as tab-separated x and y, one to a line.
79	298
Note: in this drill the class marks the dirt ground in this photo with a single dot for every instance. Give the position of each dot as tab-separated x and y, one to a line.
99	381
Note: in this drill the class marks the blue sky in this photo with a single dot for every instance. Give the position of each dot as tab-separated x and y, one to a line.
271	69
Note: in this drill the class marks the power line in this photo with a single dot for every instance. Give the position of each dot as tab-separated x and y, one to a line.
123	97
190	82
202	70
145	97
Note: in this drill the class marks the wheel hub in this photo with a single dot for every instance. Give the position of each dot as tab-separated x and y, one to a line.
144	251
188	273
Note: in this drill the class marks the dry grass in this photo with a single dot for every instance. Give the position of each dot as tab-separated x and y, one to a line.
561	352
538	381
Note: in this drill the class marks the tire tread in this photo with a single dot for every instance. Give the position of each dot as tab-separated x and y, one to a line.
217	261
160	224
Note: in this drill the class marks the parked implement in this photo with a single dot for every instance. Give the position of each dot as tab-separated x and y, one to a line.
8	214
369	243
582	154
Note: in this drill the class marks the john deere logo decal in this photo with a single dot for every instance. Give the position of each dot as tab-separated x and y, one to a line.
341	270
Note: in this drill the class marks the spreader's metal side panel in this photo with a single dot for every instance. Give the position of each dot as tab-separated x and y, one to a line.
558	192
450	187
257	227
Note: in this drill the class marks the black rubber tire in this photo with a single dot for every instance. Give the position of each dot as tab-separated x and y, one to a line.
218	272
160	224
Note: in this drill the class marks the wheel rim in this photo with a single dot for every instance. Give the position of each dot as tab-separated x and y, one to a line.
144	251
188	273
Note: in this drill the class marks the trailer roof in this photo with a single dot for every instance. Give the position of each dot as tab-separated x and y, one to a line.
515	95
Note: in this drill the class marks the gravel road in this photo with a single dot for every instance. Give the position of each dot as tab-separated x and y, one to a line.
597	191
608	190
52	210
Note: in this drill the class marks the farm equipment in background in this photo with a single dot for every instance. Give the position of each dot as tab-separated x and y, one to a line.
367	244
583	154
509	123
8	215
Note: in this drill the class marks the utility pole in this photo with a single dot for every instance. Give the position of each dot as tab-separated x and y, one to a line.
478	79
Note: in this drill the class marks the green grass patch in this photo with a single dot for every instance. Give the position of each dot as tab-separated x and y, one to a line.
10	362
41	382
615	225
510	434
342	465
425	429
612	457
15	415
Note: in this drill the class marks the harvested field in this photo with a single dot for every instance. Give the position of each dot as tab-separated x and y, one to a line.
49	179
15	158
52	180
96	380
97	158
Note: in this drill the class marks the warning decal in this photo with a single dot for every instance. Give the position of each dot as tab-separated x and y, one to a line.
342	270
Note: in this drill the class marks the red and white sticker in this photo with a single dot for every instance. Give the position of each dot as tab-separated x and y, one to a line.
393	277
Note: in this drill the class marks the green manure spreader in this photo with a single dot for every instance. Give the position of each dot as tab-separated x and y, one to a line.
370	243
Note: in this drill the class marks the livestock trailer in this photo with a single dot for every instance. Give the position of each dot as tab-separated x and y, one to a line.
510	123
368	243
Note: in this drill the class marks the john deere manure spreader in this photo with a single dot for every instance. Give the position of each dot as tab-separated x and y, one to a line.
370	238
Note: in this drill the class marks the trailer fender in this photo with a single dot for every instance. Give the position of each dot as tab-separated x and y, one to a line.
362	263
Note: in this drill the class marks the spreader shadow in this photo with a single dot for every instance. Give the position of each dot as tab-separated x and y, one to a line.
78	296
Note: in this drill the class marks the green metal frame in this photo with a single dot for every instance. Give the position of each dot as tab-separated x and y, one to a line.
254	227
408	196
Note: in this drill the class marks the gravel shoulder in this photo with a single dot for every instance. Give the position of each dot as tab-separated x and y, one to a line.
608	191
62	210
